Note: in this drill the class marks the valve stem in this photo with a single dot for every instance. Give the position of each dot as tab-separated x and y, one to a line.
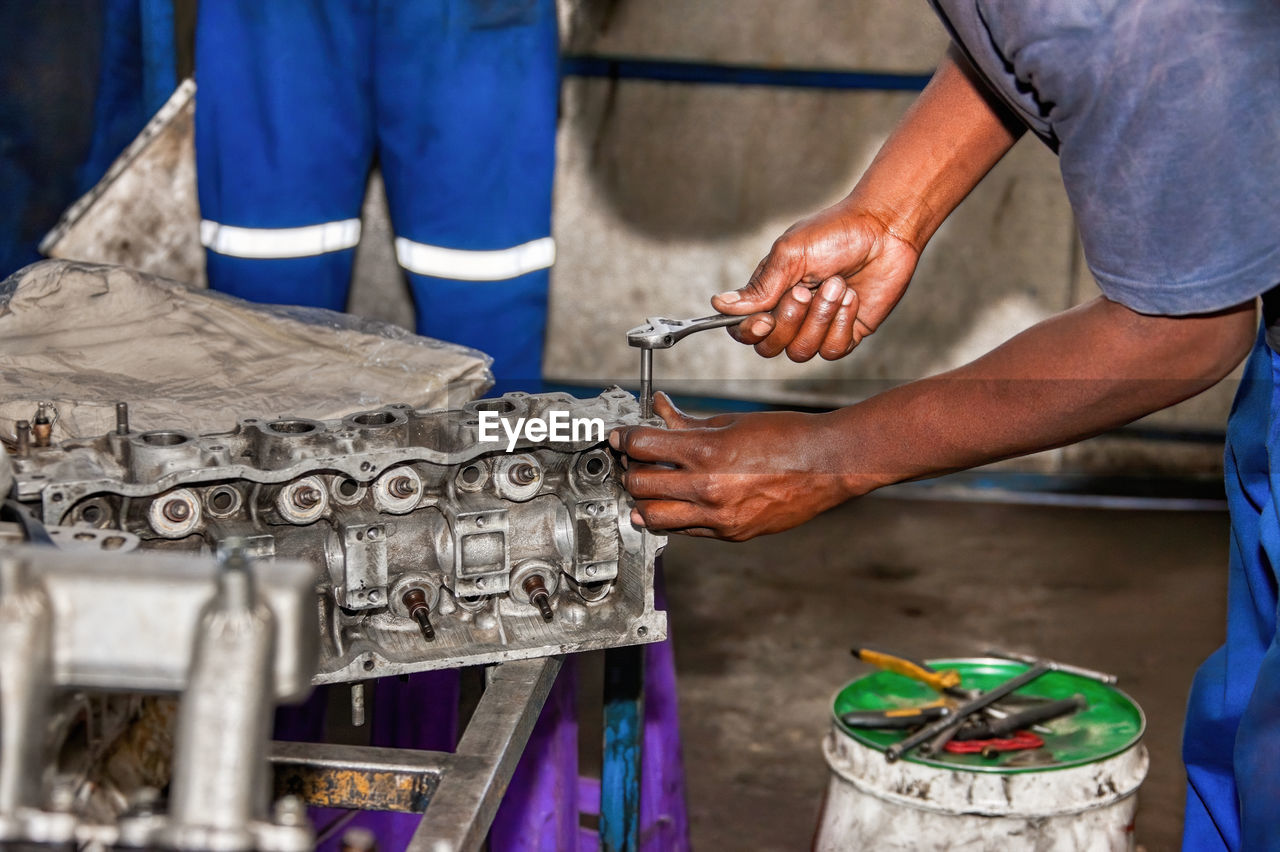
536	589
402	487
523	474
306	497
42	424
415	600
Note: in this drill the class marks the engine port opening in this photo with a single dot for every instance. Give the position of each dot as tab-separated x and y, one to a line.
292	427
222	500
163	439
374	418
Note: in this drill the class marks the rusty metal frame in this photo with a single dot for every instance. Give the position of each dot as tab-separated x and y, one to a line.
458	793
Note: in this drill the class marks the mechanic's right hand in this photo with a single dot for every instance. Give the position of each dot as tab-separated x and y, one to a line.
827	283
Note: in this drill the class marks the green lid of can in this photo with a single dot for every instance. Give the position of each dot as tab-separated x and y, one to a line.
1110	723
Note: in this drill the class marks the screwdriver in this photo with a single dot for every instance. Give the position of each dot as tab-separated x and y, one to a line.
906	717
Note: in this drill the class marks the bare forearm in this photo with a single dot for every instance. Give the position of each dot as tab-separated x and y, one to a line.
945	144
1073	376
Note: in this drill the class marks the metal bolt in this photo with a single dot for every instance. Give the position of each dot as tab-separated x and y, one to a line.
177	511
144	802
402	487
359	840
122	418
62	797
523	474
357	705
536	589
306	497
290	811
415	600
23	428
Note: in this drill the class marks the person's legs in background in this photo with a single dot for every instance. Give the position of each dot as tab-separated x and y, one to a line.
284	143
467	95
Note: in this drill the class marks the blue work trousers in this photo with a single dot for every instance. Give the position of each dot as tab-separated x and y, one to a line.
1232	740
456	100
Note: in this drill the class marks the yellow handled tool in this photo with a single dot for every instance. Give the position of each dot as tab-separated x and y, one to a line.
938	680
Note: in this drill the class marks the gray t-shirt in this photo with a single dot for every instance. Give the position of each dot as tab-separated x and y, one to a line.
1166	118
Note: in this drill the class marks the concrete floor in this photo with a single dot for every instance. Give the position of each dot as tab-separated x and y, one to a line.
763	632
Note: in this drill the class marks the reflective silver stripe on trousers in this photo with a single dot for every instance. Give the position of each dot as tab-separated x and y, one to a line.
267	243
462	265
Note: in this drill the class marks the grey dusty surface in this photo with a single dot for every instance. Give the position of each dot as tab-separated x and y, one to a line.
763	631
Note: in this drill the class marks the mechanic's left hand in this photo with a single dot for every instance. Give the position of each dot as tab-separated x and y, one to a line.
734	476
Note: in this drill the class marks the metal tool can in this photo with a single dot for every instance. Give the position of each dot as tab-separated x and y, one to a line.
1077	792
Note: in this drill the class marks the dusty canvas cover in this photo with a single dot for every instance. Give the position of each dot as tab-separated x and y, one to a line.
84	336
144	212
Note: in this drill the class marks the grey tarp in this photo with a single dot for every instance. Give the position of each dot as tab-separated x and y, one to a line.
84	336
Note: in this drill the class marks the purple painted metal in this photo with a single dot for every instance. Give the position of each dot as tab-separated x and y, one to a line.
540	810
664	814
303	723
422	713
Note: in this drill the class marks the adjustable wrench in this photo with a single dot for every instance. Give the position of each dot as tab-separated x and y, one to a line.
662	333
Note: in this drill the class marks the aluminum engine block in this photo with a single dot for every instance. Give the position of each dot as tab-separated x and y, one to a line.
439	538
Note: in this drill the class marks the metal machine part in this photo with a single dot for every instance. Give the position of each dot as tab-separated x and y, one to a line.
662	333
79	628
494	532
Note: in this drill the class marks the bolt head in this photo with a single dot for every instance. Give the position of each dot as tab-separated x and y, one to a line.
290	811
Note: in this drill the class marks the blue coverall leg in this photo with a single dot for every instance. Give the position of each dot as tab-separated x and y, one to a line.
466	142
1232	740
458	99
284	144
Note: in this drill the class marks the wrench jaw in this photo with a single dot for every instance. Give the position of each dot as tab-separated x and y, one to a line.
656	333
663	333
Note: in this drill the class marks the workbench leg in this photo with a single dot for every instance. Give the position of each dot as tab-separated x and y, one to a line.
664	814
540	810
623	735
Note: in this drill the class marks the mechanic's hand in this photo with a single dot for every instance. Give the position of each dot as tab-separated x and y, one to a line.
827	283
735	476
